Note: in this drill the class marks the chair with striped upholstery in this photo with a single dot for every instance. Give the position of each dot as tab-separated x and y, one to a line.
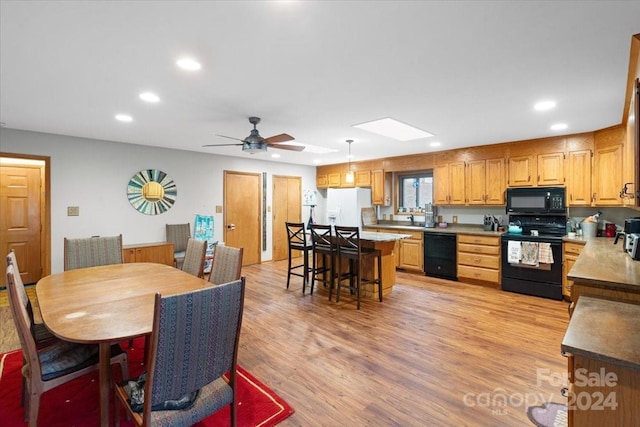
179	235
184	387
54	364
226	265
194	257
92	251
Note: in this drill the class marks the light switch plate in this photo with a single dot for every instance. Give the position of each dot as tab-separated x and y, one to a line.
455	219
218	209
73	210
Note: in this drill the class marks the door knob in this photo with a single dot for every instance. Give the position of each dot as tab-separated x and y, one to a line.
231	227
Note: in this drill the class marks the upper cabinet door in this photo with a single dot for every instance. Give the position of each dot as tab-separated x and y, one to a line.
579	178
551	169
495	182
608	176
522	171
476	182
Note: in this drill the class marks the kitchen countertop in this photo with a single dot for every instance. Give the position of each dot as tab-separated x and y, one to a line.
605	330
451	228
382	237
603	264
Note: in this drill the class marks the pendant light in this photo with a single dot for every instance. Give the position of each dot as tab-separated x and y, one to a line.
349	178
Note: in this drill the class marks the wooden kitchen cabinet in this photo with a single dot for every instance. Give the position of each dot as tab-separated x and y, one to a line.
522	170
334	180
160	253
363	178
485	182
579	178
322	181
550	169
479	258
607	176
411	251
449	184
380	187
570	253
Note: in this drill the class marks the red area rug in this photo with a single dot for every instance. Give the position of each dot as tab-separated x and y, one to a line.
76	403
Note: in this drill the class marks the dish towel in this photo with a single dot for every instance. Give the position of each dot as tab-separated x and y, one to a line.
545	255
530	253
514	252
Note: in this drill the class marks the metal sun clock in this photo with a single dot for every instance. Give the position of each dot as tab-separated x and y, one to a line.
151	192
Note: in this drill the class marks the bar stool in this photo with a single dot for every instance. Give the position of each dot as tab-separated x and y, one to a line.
297	241
350	249
323	246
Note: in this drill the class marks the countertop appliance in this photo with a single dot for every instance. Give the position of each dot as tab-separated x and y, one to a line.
440	259
344	205
538	200
530	275
631	225
633	245
430	212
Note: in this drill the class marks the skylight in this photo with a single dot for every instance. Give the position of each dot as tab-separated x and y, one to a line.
393	129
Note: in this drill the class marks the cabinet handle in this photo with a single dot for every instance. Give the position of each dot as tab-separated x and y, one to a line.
593	198
538	178
571	197
529	178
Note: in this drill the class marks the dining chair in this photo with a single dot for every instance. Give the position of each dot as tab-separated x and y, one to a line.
324	248
54	364
194	257
350	249
183	387
226	265
92	251
297	241
179	235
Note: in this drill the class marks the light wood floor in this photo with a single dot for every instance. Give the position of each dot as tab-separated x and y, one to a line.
434	353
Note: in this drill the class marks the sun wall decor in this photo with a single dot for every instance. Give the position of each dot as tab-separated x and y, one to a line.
151	192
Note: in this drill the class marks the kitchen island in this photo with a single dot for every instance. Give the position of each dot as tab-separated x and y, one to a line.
386	244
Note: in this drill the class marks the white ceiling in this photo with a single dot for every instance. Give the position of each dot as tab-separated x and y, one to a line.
469	72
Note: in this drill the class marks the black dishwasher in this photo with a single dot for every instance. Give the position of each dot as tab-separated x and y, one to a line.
440	255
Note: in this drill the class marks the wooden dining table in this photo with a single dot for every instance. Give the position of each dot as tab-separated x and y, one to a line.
106	305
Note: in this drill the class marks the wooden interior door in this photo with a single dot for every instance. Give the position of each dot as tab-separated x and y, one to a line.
242	201
21	219
287	206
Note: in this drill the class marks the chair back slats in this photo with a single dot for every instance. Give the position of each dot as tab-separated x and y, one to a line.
321	237
92	251
348	241
227	264
194	339
194	257
296	235
179	235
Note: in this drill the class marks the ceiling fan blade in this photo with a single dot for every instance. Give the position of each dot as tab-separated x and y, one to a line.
230	137
287	147
283	137
222	145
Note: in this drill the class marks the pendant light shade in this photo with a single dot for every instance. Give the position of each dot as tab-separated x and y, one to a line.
350	178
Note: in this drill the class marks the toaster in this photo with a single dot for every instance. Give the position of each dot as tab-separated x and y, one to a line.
633	245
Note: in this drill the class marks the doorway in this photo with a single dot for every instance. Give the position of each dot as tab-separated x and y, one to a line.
242	201
287	206
25	214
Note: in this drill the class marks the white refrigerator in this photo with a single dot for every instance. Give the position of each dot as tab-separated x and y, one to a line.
344	205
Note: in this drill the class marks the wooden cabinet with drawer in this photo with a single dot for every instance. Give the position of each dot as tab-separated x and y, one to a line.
570	253
479	258
411	251
160	253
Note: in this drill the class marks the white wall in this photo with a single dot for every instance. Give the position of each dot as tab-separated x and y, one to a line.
93	175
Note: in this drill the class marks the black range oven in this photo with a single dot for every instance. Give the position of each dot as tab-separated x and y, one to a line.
532	264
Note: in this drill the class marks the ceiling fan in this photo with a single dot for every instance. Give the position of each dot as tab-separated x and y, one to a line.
254	143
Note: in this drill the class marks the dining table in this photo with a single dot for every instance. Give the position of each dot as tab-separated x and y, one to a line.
106	305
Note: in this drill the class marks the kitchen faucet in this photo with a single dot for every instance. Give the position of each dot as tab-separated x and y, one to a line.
411	218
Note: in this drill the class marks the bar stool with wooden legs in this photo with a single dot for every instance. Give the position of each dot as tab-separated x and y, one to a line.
323	247
297	241
350	249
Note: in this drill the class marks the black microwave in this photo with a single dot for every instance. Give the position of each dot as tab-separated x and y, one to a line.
536	200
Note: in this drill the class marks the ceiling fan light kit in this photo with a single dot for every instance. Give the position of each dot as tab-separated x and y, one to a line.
254	143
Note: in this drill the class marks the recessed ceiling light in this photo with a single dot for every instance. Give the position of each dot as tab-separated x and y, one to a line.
394	129
189	64
435	144
544	105
559	126
124	118
149	97
317	161
275	156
